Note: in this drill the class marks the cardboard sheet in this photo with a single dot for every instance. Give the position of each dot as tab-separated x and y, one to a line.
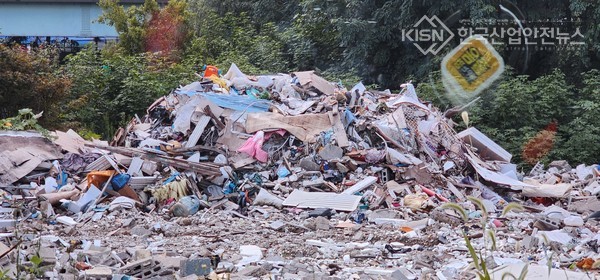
305	127
310	79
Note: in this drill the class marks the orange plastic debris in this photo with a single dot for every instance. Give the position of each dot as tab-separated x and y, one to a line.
98	178
406	229
82	266
211	71
585	263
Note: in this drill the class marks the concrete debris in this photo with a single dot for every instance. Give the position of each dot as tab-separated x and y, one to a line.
199	267
290	177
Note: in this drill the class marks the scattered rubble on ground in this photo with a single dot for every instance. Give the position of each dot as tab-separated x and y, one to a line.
290	177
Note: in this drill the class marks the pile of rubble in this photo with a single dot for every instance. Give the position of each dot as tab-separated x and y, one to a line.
290	177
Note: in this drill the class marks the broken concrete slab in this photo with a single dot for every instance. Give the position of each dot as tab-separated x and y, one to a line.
330	152
199	267
309	164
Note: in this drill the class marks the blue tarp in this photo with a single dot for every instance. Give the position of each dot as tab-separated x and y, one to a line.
238	102
232	101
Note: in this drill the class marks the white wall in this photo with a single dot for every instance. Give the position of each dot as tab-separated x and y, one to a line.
56	19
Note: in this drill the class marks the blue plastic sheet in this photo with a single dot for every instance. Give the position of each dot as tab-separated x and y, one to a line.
348	118
283	172
232	101
238	102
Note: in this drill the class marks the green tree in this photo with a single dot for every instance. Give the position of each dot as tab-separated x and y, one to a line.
147	27
31	80
129	22
517	110
226	39
582	141
169	28
116	86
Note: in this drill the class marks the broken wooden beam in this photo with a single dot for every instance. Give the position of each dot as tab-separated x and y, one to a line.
203	168
217	121
338	128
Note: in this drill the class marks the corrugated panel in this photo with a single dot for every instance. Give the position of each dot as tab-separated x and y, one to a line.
142	182
99	164
198	130
341	202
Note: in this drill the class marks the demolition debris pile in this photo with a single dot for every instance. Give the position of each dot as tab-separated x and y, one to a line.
289	176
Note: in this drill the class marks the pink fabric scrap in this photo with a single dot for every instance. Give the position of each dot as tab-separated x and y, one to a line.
253	147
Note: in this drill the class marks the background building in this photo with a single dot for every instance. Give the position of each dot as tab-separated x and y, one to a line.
68	23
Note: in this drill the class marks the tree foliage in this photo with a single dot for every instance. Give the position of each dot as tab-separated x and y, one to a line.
148	27
222	40
169	29
116	86
131	23
31	80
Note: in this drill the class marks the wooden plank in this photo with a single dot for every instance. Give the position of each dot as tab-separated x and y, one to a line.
195	148
217	121
456	192
198	130
242	160
192	185
218	111
338	129
203	168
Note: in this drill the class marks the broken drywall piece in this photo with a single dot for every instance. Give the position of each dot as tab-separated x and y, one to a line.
487	148
536	189
88	197
496	177
308	79
66	220
363	184
341	202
